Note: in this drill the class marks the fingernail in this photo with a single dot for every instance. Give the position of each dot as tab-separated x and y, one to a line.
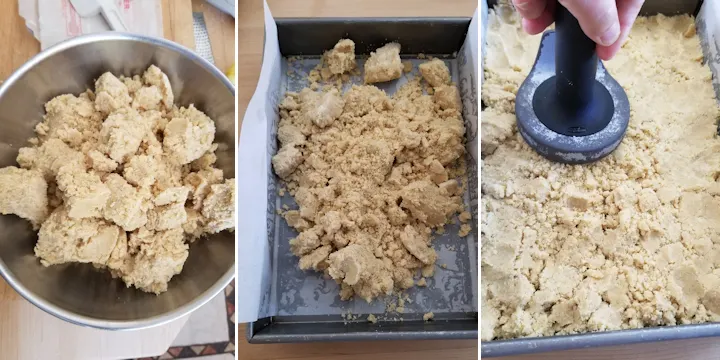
610	35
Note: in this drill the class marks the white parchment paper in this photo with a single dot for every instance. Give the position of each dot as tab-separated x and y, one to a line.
254	267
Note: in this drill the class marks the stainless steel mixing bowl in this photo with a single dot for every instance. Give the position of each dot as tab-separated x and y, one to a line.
77	292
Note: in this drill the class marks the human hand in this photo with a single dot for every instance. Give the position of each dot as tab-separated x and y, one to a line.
607	22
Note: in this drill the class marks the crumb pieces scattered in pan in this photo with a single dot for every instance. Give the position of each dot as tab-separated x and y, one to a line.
372	174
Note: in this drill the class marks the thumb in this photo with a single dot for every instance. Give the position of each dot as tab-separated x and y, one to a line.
597	18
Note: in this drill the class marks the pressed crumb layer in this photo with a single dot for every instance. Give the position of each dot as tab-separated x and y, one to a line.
631	241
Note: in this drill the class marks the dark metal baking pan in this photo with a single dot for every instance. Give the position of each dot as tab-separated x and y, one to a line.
313	36
309	38
329	328
589	340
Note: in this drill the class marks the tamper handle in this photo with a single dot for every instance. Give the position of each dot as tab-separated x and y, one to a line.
575	61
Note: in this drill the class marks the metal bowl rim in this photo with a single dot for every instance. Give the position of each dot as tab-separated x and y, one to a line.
74	317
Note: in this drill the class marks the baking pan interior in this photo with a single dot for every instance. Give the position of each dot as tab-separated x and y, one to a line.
308	306
621	337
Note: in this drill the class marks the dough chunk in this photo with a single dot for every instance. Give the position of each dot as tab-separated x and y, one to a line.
417	245
188	135
101	162
308	203
447	97
305	243
286	161
194	226
153	76
140	170
324	108
23	193
126	205
49	158
331	222
370	158
362	99
711	301
295	220
289	134
206	161
63	239
166	217
177	194
605	318
159	256
219	206
358	268
111	94
84	193
450	187
435	72
118	255
316	259
147	98
133	83
171	174
157	120
72	119
438	173
341	59
384	64
494	130
122	132
200	183
426	203
290	103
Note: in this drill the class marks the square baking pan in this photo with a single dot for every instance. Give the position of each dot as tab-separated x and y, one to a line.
303	306
707	29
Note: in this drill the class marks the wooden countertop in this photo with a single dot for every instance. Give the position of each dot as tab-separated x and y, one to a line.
250	44
27	332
